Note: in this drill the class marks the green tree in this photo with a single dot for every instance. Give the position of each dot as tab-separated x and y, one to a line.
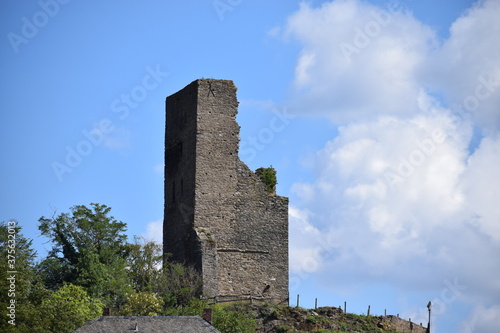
268	177
227	320
17	277
90	250
144	264
54	271
142	304
69	308
32	317
178	284
194	307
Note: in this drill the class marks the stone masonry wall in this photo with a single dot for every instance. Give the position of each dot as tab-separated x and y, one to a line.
179	238
218	215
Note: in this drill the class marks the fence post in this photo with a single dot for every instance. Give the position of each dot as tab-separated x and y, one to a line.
385	312
298	298
345	307
316	304
368	311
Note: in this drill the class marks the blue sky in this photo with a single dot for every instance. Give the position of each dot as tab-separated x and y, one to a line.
388	144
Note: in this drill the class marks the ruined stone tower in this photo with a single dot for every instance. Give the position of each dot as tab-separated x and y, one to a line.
218	216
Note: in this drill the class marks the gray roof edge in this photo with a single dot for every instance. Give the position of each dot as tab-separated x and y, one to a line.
110	319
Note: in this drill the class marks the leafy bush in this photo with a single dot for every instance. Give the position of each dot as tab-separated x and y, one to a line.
193	308
142	304
233	321
268	177
69	308
178	285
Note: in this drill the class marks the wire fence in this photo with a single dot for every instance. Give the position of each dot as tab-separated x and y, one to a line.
368	313
251	299
259	300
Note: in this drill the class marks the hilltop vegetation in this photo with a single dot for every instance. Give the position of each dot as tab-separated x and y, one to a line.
91	266
285	319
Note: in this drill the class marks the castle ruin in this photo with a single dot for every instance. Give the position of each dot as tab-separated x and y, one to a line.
219	218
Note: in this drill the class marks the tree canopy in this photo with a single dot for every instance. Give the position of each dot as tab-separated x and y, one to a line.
89	249
91	265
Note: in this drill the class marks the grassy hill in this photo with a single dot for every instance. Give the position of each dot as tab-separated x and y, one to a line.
284	319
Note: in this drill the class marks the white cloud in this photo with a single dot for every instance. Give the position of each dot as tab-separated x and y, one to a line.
357	60
154	232
466	69
304	253
392	203
392	178
482	186
403	193
482	320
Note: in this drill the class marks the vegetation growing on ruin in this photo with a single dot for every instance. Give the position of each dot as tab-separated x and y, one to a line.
268	177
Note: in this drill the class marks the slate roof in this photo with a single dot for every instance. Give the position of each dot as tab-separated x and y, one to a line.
146	324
